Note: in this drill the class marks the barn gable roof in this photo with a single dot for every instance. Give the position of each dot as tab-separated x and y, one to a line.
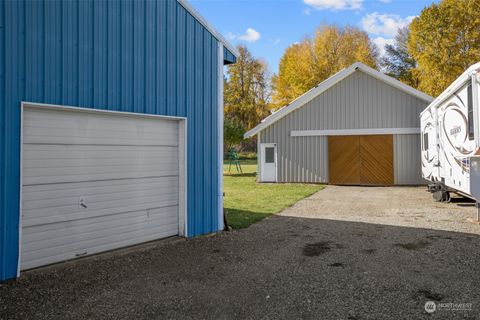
327	84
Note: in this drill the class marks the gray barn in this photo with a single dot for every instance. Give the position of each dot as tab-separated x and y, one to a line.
358	127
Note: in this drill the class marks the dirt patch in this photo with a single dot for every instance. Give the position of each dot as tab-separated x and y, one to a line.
418	245
336	265
434	237
427	294
316	249
370	251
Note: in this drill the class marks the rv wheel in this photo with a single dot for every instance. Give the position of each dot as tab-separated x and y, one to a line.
446	196
441	196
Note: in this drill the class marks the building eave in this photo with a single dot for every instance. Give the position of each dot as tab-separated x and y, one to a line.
208	26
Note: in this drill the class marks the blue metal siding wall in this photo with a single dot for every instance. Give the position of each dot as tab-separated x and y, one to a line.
130	55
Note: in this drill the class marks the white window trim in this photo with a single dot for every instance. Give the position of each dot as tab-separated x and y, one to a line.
262	146
183	145
353	132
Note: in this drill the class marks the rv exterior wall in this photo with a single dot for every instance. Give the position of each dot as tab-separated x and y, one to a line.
358	102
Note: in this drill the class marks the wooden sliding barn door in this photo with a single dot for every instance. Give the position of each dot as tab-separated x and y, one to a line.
344	159
361	160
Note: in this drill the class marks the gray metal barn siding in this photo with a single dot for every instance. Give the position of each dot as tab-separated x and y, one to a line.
407	161
138	56
360	101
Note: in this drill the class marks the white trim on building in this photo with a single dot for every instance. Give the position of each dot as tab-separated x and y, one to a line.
353	132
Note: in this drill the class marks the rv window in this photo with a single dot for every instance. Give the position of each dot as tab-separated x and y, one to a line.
425	141
471	134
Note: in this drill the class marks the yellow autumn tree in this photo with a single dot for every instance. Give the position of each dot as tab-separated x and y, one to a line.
247	91
288	84
444	40
306	64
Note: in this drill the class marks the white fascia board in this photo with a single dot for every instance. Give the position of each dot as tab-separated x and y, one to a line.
353	132
460	81
327	84
208	26
394	82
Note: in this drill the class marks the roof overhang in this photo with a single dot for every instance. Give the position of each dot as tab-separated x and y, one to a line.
459	82
327	84
209	27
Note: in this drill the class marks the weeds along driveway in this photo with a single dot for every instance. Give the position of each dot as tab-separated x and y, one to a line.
281	268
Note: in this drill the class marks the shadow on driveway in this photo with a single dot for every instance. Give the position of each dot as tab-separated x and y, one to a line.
280	268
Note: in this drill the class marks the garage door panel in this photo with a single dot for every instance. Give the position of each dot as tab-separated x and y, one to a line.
83	174
70	169
73	212
96	188
86	120
45	135
93	182
76	232
96	129
42	232
95	199
67	152
48	256
85	161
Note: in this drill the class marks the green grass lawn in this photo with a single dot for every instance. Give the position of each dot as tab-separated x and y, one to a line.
247	201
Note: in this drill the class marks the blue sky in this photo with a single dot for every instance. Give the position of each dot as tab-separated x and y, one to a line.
267	27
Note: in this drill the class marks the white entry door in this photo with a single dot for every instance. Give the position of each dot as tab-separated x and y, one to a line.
95	181
269	162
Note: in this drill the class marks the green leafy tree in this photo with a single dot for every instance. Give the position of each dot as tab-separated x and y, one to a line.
233	132
398	62
445	40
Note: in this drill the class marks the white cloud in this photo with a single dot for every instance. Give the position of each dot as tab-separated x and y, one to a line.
274	41
251	35
381	43
335	4
384	24
306	11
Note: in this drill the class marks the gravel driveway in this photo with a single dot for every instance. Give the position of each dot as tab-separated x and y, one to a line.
344	253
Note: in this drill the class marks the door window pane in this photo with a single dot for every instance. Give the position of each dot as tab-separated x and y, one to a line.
270	155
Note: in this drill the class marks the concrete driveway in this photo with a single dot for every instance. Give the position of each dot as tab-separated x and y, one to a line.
344	253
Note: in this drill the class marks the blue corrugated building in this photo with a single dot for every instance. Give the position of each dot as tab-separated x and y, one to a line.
62	64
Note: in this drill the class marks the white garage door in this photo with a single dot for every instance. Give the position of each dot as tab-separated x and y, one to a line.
96	181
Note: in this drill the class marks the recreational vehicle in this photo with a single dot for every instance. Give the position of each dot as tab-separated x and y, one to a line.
450	128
